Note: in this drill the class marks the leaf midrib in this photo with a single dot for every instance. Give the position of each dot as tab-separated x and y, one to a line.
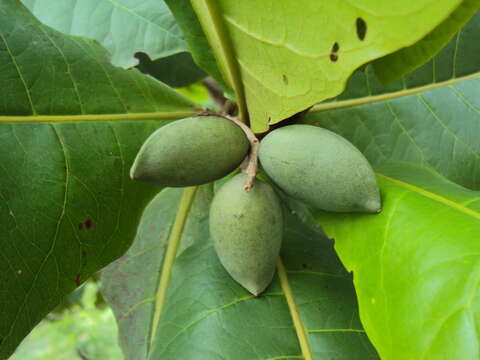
184	207
432	196
388	96
98	117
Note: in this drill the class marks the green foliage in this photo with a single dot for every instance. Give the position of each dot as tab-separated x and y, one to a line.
177	70
417	285
285	61
320	168
246	229
394	66
71	124
123	27
191	151
67	205
207	315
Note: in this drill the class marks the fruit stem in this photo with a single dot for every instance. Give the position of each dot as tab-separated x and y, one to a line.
249	165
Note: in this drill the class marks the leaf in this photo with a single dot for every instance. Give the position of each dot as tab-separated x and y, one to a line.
404	61
177	70
437	128
458	60
122	27
416	265
292	55
195	38
67	206
207	315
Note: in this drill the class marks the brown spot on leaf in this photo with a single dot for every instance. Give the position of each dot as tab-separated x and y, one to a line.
285	79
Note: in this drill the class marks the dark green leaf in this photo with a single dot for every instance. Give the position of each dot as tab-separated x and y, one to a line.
437	128
207	315
67	206
177	70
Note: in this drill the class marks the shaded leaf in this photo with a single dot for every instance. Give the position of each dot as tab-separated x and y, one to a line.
123	27
416	265
177	70
67	206
207	315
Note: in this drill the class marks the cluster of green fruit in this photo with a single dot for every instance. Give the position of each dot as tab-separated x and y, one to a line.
308	163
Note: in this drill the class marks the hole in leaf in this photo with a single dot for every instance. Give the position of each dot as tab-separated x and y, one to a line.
361	28
334	52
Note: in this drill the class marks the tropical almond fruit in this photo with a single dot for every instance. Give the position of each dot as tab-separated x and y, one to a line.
320	168
247	229
191	151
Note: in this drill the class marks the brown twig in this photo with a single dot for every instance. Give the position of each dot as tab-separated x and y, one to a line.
215	91
249	165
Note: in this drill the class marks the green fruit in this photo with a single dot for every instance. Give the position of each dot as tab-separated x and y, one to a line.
191	151
320	168
247	228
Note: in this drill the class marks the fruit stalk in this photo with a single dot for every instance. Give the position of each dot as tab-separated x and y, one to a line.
250	165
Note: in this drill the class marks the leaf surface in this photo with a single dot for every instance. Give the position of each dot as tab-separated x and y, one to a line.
416	265
123	27
286	61
437	128
207	315
67	206
458	60
402	62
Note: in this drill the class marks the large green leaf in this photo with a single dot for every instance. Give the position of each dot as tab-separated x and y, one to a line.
291	55
201	313
437	128
416	265
67	207
404	61
124	27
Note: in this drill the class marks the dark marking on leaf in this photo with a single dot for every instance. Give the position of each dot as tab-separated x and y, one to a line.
334	52
361	28
77	280
285	79
306	266
88	224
